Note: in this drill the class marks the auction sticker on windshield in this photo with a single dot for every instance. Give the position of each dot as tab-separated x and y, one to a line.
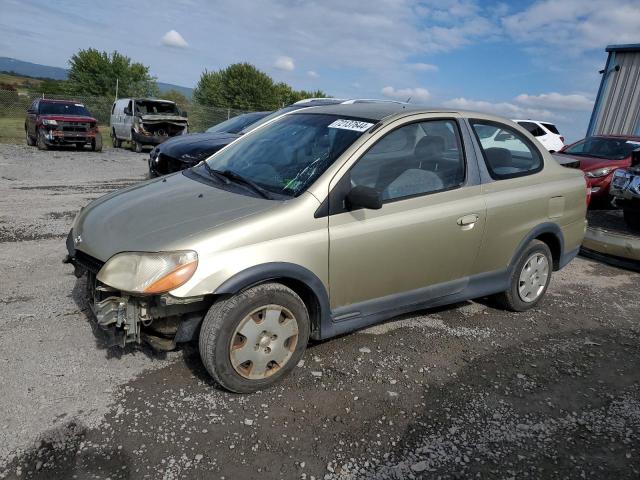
354	125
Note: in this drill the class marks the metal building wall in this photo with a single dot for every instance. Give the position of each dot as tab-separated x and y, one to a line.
617	108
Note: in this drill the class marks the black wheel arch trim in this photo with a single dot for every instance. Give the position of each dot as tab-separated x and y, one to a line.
543	228
282	270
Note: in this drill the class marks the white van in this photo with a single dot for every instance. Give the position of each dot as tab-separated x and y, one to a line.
145	121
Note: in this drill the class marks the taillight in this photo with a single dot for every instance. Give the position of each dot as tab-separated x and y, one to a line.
561	138
588	189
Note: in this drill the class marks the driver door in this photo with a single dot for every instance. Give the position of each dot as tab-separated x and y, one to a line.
427	232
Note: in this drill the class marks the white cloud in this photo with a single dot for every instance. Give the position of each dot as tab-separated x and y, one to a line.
423	67
284	63
417	95
575	25
313	74
505	109
557	101
174	39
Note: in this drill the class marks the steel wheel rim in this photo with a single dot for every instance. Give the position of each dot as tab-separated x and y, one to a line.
263	342
533	277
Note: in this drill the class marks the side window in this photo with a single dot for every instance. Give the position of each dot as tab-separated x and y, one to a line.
507	153
412	160
533	128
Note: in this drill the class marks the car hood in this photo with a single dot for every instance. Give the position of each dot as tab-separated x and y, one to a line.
196	143
154	117
159	215
591	163
68	118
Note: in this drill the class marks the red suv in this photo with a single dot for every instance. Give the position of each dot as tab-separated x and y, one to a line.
598	157
61	122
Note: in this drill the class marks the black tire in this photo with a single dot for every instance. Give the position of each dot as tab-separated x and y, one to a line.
632	219
115	141
30	141
96	143
41	143
220	323
511	298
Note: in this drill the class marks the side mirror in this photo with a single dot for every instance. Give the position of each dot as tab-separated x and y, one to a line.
127	111
364	197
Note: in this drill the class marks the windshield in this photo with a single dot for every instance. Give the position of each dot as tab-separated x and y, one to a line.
151	107
271	116
288	155
63	109
235	124
602	147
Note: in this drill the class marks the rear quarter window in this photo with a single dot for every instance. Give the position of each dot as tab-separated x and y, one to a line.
507	153
551	127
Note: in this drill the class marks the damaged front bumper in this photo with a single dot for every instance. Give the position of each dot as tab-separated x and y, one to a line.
160	320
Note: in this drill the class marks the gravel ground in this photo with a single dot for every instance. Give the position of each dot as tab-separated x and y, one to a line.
457	392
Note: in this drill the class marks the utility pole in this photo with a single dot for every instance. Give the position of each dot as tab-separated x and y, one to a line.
117	82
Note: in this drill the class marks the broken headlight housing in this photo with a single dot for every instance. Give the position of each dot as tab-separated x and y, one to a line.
600	172
147	272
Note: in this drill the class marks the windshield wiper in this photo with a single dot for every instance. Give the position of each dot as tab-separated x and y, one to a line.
236	177
215	173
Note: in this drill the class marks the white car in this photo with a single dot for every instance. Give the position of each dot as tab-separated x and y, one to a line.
546	133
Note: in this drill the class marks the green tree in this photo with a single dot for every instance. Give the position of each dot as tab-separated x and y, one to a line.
95	73
240	85
243	86
175	96
54	87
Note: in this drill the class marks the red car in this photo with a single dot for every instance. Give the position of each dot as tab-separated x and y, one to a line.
61	122
598	157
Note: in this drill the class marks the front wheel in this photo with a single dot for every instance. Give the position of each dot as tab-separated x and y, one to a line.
529	279
250	341
96	143
30	141
41	142
115	141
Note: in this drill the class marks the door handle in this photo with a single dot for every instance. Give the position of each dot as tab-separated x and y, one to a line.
467	220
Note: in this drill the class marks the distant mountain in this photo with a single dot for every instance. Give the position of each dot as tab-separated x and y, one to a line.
186	91
32	69
56	73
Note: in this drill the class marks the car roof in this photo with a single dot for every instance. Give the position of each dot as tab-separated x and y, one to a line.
621	137
534	121
373	110
51	100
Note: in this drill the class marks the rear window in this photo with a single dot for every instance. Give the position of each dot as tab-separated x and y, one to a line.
551	127
533	128
55	108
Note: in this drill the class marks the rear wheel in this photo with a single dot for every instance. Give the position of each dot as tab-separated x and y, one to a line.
42	144
529	279
632	218
250	341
